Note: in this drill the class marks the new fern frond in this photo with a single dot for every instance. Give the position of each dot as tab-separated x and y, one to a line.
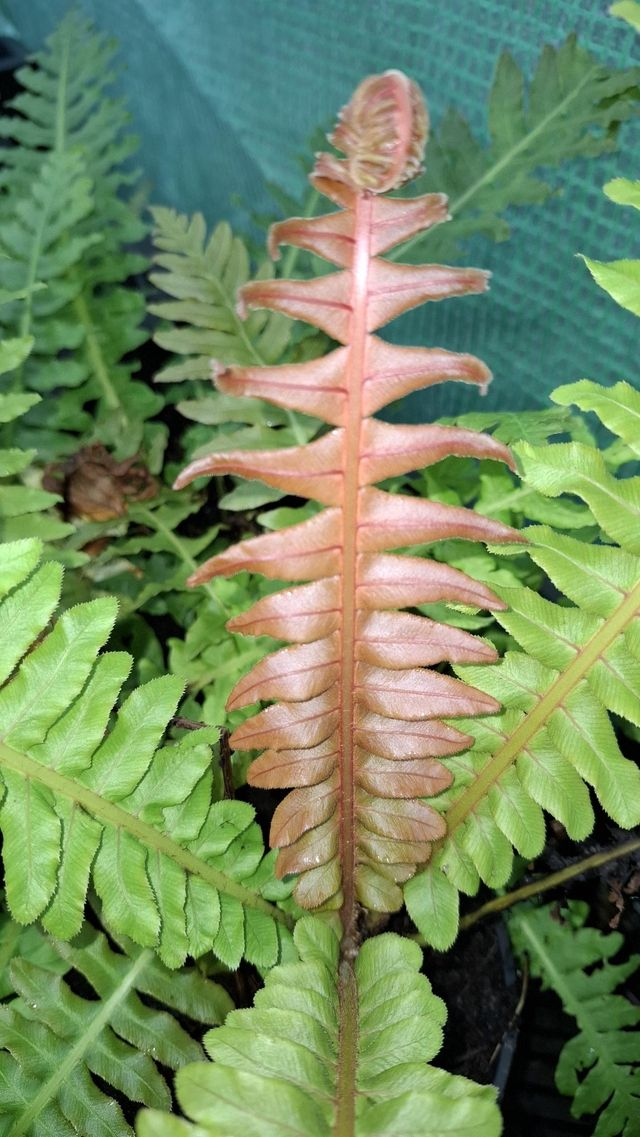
580	659
358	732
64	180
308	1061
52	1040
600	1067
174	870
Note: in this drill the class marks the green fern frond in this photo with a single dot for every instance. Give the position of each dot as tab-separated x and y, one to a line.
69	130
202	274
571	109
600	1067
22	507
174	870
327	1051
52	1040
580	659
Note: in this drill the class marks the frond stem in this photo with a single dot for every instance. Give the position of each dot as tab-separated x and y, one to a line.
114	815
553	698
49	1090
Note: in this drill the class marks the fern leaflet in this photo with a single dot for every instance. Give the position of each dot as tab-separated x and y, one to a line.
173	869
577	662
307	1061
600	1067
52	1040
65	180
572	108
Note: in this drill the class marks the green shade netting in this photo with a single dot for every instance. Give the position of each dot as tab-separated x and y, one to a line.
224	95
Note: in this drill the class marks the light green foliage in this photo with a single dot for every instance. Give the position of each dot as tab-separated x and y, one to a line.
578	659
66	223
22	507
202	273
628	10
91	796
52	1039
621	279
600	1067
289	1067
570	109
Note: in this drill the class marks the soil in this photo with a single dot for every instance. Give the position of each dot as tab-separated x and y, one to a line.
478	982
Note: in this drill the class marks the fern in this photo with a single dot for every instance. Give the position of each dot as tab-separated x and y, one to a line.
599	1067
579	659
21	506
572	108
65	223
52	1040
202	274
173	869
309	1061
346	735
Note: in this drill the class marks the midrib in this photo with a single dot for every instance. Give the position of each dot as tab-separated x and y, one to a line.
111	814
354	378
553	698
347	991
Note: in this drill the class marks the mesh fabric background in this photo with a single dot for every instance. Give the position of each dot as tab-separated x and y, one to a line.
225	93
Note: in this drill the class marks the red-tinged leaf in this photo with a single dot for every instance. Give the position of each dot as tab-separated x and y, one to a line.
279	769
303	809
388	521
398	639
315	847
296	614
406	820
403	582
359	730
391	372
286	725
411	777
382	131
303	552
391	852
399	739
314	470
324	302
393	288
390	450
294	673
315	388
330	236
419	694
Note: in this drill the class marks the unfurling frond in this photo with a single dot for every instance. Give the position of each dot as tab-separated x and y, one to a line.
173	869
306	1062
356	726
580	659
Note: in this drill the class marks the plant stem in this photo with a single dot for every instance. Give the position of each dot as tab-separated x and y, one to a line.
49	1090
347	1052
545	883
109	813
150	518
